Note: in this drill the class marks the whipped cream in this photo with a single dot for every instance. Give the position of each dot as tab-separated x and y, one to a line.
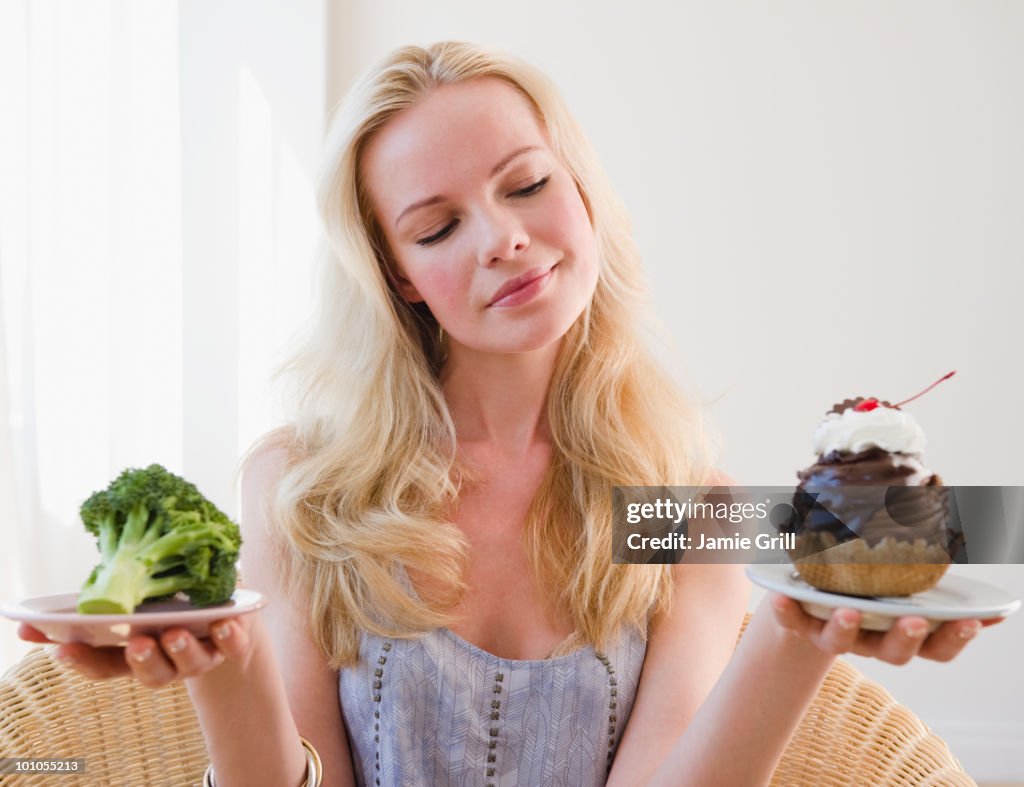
919	474
887	428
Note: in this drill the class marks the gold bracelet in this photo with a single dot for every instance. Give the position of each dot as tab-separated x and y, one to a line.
314	768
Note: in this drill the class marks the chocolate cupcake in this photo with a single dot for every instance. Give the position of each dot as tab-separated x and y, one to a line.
871	519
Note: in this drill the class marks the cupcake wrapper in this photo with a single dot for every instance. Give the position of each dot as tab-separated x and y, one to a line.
854	579
889	568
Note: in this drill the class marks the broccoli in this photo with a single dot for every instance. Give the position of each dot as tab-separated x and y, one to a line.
158	536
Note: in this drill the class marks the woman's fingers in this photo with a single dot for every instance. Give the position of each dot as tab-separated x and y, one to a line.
231	637
906	638
179	654
149	665
902	641
30	634
189	656
791	616
949	639
839	634
154	662
93	663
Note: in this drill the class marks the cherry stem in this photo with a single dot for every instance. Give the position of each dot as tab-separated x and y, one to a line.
926	390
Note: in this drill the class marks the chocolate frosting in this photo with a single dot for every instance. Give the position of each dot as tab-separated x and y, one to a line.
871	466
866	495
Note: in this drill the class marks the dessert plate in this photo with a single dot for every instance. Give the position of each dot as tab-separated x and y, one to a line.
57	618
953	598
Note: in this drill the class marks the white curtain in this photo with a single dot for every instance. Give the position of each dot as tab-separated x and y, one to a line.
156	234
91	270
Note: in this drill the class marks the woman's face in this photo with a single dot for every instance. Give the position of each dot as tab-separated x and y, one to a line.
482	220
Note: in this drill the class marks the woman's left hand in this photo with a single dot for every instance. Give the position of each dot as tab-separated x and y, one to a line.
907	638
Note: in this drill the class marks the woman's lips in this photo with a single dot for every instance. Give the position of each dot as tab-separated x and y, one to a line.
523	288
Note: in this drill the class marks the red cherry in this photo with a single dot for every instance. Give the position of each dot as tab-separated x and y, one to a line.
866	405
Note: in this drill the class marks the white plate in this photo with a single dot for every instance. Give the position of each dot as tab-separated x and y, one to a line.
953	598
57	618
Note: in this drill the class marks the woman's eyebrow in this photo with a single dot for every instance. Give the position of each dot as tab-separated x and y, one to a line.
494	173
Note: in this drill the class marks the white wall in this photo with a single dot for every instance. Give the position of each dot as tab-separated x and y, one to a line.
825	196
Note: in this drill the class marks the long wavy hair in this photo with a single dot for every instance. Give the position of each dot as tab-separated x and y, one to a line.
371	446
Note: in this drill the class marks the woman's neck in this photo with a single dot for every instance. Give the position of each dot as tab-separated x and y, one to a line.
499	400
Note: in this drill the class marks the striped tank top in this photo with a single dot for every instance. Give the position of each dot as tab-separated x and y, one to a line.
437	710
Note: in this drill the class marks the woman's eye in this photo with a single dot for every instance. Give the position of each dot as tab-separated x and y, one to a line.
534	188
438	236
526	192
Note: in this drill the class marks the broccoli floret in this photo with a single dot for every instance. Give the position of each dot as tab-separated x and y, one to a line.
157	536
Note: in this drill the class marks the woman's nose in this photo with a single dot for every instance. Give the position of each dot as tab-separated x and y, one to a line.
503	237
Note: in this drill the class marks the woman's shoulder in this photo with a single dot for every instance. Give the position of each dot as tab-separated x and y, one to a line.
269	456
260	470
718	477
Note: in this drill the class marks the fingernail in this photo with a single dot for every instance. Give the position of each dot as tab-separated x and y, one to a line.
222	632
176	645
140	655
847	621
65	658
915	631
969	631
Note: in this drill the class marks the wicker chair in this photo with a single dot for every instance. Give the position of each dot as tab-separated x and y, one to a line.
854	733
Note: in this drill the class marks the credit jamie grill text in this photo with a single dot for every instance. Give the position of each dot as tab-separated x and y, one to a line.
779	524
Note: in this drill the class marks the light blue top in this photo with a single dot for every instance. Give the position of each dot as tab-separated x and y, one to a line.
437	710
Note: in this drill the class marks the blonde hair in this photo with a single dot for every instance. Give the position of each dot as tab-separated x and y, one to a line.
372	448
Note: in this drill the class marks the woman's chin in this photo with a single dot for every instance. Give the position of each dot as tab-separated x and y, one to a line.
513	343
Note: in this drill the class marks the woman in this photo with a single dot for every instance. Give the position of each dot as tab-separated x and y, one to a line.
433	527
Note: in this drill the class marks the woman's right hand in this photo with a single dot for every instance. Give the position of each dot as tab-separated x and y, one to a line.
155	662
